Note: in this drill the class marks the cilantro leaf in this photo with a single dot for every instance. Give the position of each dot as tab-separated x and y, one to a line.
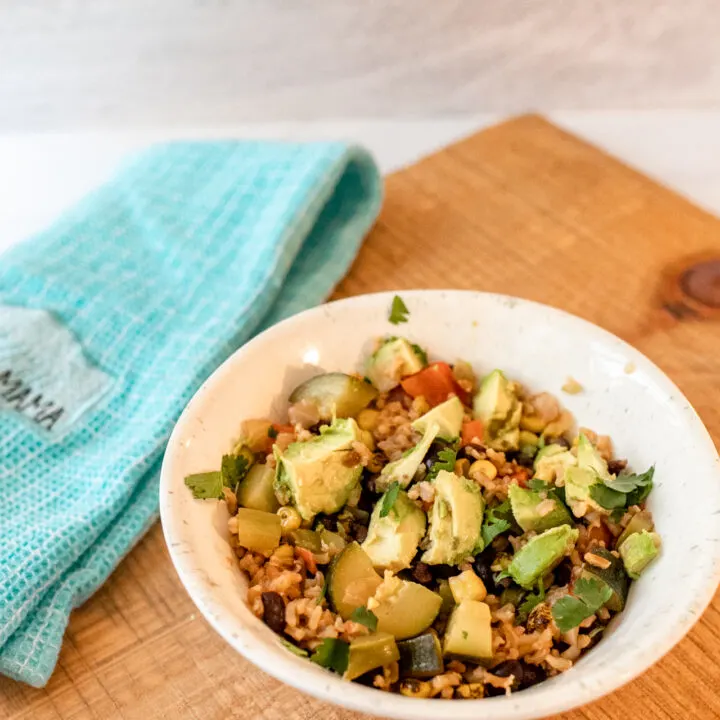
233	469
589	596
365	617
272	432
332	654
607	498
617	514
531	602
537	484
644	486
294	649
629	482
324	590
389	498
398	311
445	461
495	524
206	486
420	353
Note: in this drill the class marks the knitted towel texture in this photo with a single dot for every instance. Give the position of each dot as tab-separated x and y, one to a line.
109	322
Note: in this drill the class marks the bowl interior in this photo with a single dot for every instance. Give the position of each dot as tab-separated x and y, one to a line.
624	396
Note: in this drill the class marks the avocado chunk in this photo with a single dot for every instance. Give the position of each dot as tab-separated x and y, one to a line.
469	635
589	458
578	484
497	406
639	522
534	512
403	608
395	359
552	461
541	554
403	469
335	395
370	651
421	657
614	576
392	541
315	474
456	520
449	417
351	580
638	551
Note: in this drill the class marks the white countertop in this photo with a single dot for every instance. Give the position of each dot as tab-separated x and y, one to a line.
40	174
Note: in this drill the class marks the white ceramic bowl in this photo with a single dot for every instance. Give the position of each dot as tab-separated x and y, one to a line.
648	418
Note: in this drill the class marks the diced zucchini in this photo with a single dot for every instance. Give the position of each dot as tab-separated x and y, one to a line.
258	531
468	634
467	586
308	539
351	580
371	651
421	657
404	608
639	522
256	489
614	577
332	541
335	395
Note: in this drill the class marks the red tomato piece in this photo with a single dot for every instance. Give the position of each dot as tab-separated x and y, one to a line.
471	430
435	383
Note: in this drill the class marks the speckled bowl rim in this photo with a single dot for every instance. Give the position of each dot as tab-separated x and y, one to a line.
306	677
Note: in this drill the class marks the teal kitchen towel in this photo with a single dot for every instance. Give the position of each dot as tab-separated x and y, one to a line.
109	322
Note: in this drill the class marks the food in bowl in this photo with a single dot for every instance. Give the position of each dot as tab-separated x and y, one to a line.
425	532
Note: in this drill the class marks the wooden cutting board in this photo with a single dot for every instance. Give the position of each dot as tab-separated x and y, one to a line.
522	208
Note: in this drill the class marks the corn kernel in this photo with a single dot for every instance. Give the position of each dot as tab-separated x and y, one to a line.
467	586
482	467
367	419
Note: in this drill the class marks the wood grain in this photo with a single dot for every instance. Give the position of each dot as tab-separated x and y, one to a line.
522	208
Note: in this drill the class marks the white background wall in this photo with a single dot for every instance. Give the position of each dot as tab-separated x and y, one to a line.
73	64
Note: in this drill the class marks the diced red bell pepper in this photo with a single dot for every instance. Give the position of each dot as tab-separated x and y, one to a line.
308	558
435	383
470	431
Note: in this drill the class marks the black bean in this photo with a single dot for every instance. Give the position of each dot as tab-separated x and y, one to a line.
532	675
359	532
616	466
481	566
563	573
443	572
274	611
329	522
421	573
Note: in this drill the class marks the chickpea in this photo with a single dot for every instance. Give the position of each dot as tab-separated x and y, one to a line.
289	518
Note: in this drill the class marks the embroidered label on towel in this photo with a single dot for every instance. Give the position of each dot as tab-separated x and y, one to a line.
45	376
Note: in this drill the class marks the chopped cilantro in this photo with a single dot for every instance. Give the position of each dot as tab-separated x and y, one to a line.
365	617
537	484
589	595
445	461
233	469
206	486
617	514
494	523
420	353
398	311
294	649
388	500
630	482
607	498
324	590
531	602
272	432
332	654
